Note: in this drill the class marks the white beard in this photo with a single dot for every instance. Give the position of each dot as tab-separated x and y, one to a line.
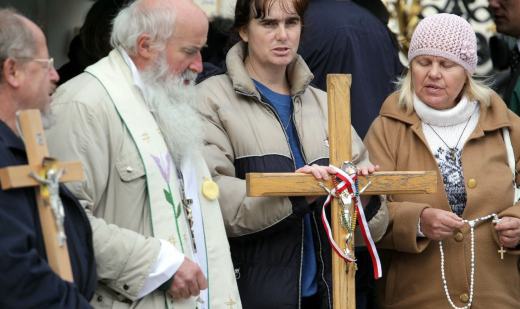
173	105
48	118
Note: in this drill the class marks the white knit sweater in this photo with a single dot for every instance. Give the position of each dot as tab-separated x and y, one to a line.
445	130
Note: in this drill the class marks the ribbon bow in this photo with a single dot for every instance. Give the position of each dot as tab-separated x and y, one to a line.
349	182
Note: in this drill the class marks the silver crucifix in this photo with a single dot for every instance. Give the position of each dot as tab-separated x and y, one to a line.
51	181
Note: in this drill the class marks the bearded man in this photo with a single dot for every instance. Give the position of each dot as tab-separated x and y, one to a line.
159	238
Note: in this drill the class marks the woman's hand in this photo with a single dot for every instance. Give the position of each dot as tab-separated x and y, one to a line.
508	229
319	172
438	224
365	171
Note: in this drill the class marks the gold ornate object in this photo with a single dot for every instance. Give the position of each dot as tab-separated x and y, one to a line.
406	13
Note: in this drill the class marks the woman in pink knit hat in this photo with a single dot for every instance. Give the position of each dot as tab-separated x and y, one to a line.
458	247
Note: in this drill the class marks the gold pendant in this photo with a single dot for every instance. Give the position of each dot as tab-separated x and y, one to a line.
210	189
453	154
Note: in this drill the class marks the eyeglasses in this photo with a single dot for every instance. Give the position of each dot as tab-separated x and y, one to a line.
48	63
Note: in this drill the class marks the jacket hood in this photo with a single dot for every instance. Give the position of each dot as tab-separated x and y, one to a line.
493	117
298	72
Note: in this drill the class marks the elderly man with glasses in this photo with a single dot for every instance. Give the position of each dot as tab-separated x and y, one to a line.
27	80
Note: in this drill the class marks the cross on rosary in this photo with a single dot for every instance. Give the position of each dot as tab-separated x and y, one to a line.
297	184
501	251
45	174
472	225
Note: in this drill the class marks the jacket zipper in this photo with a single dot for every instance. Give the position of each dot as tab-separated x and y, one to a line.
268	106
320	254
298	134
301	268
303	220
312	215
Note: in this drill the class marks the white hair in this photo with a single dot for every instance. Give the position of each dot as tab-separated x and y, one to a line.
157	21
173	105
16	39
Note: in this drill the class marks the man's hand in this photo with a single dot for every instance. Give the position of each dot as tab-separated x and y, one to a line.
188	280
438	224
508	229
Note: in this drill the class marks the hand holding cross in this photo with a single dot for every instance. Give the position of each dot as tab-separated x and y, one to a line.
43	173
298	184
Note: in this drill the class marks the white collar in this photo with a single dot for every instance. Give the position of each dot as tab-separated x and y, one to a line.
136	76
447	117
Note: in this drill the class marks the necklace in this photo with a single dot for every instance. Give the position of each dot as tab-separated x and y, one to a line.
472	225
452	151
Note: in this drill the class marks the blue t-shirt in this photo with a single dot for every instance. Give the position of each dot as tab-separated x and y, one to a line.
282	104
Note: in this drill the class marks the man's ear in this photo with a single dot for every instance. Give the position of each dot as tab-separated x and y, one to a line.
144	47
11	72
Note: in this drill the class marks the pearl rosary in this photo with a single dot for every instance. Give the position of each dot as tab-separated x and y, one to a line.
472	225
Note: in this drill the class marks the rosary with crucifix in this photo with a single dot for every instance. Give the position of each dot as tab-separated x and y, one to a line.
472	224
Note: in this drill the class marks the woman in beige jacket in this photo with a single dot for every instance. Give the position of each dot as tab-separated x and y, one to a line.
447	249
264	116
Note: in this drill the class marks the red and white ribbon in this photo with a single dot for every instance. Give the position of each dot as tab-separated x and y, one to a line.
348	182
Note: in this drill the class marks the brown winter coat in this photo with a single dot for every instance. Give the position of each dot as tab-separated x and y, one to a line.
412	277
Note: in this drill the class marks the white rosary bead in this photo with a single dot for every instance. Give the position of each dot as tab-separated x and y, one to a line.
472	225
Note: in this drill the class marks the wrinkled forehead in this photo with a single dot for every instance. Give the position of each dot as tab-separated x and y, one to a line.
192	28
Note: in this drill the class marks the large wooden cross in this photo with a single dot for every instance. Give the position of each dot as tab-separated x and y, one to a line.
24	176
297	184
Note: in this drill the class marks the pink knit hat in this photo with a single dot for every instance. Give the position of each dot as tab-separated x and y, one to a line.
448	36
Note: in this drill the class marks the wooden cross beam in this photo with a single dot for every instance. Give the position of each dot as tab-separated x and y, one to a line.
297	184
20	177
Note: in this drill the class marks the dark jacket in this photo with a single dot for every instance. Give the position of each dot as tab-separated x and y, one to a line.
512	92
244	135
341	37
26	280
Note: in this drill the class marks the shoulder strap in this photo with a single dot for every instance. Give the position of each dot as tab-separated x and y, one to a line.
509	149
511	161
